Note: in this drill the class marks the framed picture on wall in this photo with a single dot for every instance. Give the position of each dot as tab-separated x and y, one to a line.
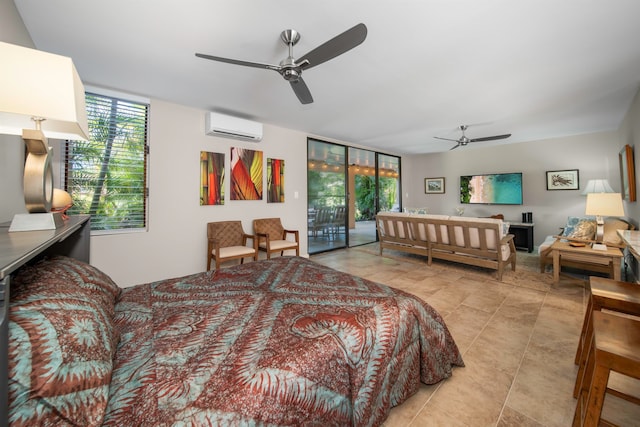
568	179
627	174
434	185
211	178
275	180
246	174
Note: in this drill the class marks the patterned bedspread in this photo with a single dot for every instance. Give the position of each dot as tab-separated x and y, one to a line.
279	342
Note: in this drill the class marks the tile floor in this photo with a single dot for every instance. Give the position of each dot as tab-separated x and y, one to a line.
518	338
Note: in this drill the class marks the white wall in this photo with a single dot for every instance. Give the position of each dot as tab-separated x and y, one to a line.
12	30
630	134
175	244
594	155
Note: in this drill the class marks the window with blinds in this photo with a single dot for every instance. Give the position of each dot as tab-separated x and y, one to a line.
107	175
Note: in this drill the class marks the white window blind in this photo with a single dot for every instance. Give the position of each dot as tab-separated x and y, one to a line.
107	175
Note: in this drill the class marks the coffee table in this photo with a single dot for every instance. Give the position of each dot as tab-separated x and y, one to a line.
586	258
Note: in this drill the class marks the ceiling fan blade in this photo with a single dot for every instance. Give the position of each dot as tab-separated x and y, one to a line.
302	91
454	147
336	46
446	139
490	138
238	62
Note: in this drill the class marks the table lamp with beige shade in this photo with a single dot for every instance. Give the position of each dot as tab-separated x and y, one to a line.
597	186
41	96
601	205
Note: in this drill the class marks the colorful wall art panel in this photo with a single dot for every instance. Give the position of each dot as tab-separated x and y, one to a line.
211	178
275	181
246	174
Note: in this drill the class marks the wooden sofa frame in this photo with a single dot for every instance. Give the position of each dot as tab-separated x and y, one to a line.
467	241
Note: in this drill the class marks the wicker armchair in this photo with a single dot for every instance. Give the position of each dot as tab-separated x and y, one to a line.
226	241
272	236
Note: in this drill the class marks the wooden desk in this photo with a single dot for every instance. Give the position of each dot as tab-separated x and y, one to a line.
589	259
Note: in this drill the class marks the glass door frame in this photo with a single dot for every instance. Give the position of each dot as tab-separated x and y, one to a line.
327	236
347	194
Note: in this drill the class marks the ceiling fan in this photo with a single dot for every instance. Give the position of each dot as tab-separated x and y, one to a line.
463	140
291	68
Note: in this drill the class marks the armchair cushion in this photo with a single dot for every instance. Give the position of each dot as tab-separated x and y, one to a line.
235	251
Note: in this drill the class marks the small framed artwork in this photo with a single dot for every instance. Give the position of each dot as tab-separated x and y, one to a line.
211	178
275	180
627	174
434	185
563	180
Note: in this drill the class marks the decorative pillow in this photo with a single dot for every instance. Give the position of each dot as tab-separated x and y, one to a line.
61	343
611	225
505	228
582	229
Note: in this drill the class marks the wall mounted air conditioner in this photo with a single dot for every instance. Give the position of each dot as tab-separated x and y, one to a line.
217	124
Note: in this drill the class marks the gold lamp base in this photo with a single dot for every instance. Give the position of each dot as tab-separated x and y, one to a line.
38	186
38	173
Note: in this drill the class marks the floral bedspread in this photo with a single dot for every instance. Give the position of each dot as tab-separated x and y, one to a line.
279	342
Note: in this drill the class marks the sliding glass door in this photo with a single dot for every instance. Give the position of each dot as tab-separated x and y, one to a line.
326	196
389	189
346	188
362	196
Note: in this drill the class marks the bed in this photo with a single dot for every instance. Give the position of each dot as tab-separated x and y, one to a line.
275	342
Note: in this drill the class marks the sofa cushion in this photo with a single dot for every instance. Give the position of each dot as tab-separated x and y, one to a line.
473	233
428	233
386	221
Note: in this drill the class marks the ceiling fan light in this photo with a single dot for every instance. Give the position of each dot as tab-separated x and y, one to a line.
290	74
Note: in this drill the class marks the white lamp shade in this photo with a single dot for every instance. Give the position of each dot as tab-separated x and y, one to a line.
597	186
604	204
34	83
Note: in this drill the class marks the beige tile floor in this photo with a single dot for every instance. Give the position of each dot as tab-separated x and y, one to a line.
518	338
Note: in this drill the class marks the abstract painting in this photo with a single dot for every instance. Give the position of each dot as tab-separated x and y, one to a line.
246	174
275	181
211	178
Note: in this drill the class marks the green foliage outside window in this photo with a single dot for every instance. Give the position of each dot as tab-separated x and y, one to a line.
366	193
106	176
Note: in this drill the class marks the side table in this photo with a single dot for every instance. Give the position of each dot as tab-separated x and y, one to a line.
587	259
523	235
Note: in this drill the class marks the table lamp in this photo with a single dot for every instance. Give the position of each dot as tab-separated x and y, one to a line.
597	186
41	93
600	205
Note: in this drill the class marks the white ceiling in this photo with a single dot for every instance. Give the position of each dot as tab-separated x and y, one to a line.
534	68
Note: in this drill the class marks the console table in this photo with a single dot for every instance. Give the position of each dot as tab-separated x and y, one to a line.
17	249
523	235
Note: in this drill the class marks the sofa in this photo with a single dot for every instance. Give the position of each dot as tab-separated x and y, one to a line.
482	242
582	229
